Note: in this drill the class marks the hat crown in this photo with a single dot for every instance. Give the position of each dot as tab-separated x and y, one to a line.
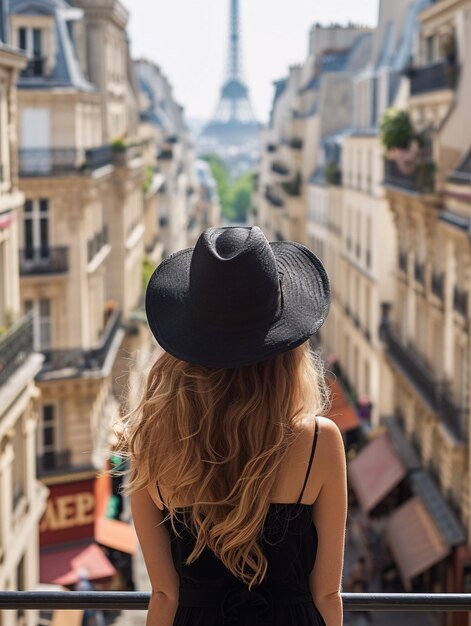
234	277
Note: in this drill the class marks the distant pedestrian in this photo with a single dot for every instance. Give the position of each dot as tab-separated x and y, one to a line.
91	617
358	582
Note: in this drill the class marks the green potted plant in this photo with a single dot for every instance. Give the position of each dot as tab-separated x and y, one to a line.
397	131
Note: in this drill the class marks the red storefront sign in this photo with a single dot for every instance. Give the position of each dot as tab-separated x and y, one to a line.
69	514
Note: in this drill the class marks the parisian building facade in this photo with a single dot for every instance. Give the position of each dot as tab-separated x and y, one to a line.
96	188
392	226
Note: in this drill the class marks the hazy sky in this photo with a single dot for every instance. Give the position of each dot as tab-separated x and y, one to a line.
188	39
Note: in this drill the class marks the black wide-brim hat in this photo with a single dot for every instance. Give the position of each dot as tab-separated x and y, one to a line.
236	299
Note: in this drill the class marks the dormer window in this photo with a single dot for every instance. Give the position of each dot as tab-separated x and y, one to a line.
31	41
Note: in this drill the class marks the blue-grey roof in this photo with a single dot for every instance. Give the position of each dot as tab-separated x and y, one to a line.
66	71
318	177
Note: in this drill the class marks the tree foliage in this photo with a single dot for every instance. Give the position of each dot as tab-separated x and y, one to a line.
235	196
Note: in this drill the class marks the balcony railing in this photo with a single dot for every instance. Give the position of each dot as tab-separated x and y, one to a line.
460	301
279	168
80	359
433	77
272	147
454	416
166	154
273	198
35	67
436	392
98	157
139	601
16	344
438	285
422	180
413	367
403	261
53	461
96	243
419	272
39	261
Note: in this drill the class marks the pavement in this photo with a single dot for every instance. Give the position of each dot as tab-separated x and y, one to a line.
357	544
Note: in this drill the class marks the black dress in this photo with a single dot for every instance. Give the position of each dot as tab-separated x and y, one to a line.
210	595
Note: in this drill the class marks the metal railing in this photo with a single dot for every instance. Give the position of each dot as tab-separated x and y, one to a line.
80	359
274	199
98	157
279	168
438	285
46	260
422	180
436	392
34	68
403	261
419	272
460	301
138	601
53	461
433	77
16	344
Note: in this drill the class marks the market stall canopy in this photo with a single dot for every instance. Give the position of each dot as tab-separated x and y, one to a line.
341	411
414	540
116	534
375	471
61	566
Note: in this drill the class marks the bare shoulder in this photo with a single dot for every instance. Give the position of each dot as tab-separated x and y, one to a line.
330	451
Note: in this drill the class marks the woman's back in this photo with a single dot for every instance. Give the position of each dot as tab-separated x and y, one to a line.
222	429
209	592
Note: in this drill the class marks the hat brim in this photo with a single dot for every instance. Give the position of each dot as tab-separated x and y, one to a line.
303	309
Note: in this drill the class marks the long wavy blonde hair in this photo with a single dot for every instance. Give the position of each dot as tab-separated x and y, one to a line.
215	438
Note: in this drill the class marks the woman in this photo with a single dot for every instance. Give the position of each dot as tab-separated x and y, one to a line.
238	490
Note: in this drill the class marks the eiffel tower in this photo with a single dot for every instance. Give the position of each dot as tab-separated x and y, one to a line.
233	123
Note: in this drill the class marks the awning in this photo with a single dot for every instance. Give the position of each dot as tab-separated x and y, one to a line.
414	540
341	412
60	566
116	534
375	471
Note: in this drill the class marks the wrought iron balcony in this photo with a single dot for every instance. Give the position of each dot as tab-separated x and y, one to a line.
98	157
293	187
410	363
139	601
96	243
53	462
165	154
436	392
62	161
419	272
433	77
454	416
403	261
34	68
272	147
122	153
50	161
438	285
273	198
39	261
16	344
460	301
422	180
77	360
279	168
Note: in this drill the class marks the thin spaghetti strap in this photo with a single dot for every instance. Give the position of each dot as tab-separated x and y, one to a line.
160	495
314	443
